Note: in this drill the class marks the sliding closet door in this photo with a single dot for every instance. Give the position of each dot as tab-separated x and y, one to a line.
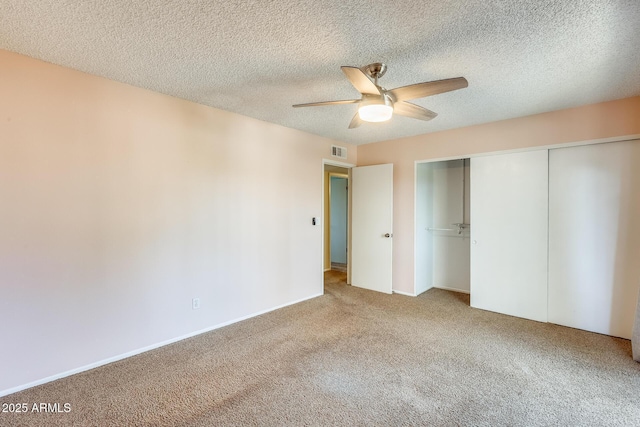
594	237
509	218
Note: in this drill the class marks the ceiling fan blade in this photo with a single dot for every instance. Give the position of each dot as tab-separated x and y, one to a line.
414	111
360	81
356	121
420	90
318	104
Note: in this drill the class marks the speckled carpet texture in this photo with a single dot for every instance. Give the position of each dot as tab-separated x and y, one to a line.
635	339
356	357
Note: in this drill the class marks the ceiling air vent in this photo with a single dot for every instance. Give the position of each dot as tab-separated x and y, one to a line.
338	152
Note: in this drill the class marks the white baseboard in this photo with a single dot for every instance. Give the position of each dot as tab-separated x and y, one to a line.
143	349
462	291
404	293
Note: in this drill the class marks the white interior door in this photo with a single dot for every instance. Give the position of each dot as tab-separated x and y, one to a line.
509	228
594	237
371	227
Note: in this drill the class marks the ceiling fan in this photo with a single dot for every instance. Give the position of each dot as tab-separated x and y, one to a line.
379	104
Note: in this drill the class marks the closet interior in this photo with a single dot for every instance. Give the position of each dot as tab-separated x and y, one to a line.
443	225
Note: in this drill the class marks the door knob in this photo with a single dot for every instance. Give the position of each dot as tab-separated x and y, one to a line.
387	235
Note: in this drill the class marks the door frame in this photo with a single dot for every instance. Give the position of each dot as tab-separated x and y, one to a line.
323	220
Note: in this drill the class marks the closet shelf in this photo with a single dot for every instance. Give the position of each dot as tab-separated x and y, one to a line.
460	227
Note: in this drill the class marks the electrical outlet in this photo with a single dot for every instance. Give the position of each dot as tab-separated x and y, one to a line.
195	303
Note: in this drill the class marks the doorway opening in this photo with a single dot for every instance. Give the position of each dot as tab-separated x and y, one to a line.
336	223
443	226
338	220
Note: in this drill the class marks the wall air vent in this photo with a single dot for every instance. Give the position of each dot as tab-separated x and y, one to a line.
340	152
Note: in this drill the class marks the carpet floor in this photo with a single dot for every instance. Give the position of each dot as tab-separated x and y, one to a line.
356	357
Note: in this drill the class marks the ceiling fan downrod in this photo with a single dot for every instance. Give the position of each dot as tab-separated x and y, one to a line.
375	71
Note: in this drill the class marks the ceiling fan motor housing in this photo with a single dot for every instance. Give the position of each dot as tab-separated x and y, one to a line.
375	70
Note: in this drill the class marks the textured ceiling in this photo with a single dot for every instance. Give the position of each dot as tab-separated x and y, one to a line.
520	57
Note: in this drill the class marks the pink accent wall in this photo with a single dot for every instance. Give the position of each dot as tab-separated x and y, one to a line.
597	121
119	205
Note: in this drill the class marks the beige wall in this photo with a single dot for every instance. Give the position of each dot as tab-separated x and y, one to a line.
604	120
119	205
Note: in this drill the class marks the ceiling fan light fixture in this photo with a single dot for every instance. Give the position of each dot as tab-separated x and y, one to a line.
379	109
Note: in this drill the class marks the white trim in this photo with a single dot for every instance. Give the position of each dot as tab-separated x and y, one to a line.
446	159
144	349
408	294
561	145
540	147
445	288
336	163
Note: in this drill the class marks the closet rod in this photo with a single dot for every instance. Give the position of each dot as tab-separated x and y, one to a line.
460	228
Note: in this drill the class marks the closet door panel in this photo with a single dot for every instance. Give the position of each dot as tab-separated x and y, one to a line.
594	237
509	225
